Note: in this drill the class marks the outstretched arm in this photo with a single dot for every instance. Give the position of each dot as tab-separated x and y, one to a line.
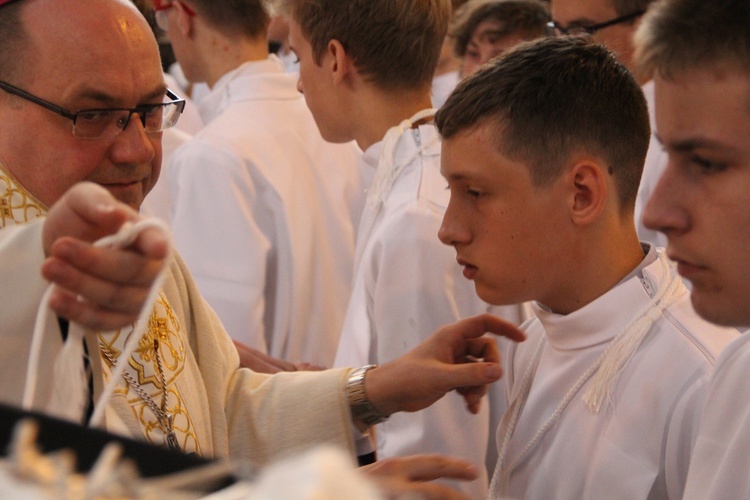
99	288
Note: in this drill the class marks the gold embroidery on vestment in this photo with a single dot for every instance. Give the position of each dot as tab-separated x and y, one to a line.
17	206
163	326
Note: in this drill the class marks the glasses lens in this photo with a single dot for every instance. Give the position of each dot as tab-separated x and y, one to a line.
107	123
161	117
580	30
172	113
96	123
152	118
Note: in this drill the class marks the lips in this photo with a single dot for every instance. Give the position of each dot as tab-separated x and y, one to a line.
686	269
121	183
470	271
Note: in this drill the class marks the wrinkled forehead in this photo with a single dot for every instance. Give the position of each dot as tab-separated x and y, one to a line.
102	41
572	11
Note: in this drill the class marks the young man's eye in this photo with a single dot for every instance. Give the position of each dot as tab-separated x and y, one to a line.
93	115
708	166
473	193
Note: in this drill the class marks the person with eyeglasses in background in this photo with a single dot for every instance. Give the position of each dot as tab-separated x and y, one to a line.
84	99
613	24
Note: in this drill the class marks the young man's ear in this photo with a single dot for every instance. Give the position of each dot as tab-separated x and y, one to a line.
588	185
184	19
341	66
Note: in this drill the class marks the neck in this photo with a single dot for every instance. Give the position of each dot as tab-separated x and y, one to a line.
377	111
596	268
222	54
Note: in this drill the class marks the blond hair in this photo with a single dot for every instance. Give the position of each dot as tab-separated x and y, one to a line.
677	35
395	44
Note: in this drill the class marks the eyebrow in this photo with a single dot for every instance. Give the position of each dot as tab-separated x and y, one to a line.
489	33
693	143
109	100
458	176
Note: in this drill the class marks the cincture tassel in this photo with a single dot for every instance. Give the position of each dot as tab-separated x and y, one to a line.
624	346
387	170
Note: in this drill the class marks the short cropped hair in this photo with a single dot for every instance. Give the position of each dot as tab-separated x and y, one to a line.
13	40
552	97
248	18
683	34
527	18
395	44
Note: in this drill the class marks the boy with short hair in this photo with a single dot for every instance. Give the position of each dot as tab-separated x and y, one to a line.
366	68
543	151
699	55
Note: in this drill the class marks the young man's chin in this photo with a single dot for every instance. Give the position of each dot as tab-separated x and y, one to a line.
718	311
491	296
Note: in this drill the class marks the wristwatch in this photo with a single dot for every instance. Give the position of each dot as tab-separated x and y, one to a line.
361	407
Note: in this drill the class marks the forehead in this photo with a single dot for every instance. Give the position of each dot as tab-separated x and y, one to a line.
485	28
101	44
592	11
296	38
473	151
702	107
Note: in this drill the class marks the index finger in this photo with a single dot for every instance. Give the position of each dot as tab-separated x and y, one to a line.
477	326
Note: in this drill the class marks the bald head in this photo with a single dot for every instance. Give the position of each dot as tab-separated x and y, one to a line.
78	33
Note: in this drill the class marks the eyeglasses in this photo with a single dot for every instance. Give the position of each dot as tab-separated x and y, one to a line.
160	12
106	123
593	28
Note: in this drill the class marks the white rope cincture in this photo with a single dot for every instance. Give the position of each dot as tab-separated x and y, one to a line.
72	355
605	371
622	348
386	173
387	170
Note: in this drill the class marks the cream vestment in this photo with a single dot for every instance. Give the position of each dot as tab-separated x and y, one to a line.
219	409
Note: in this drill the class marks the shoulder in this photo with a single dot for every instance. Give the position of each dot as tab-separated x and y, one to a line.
704	339
734	362
419	182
